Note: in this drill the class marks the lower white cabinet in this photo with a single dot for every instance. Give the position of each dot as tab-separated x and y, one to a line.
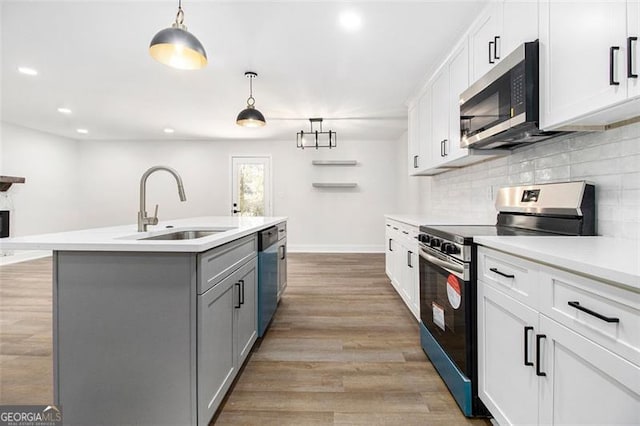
402	263
532	369
227	330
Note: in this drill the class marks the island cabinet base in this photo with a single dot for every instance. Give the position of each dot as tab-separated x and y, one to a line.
126	330
125	337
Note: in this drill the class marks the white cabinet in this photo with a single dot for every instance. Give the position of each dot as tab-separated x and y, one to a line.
583	62
440	114
402	263
413	150
502	27
584	383
421	150
507	383
541	359
458	83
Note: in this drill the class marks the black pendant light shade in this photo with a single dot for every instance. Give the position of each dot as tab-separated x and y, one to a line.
250	116
177	47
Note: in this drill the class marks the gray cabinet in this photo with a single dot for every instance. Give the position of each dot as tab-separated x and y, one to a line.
227	330
216	349
282	266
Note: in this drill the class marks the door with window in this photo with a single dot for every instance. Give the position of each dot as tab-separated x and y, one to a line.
251	186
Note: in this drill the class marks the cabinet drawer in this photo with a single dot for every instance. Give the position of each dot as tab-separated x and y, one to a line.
515	276
594	299
215	264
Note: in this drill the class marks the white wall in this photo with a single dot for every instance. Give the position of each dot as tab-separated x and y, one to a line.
611	160
48	201
331	220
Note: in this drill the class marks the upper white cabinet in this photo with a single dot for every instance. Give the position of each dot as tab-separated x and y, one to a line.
586	49
500	29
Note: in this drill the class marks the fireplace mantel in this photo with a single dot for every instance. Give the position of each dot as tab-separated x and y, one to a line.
7	181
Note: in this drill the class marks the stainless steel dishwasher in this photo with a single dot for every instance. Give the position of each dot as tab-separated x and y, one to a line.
268	281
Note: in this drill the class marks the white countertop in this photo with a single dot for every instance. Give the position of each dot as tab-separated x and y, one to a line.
126	238
611	259
421	219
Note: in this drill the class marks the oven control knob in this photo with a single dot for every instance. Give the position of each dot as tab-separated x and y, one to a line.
435	242
424	238
450	248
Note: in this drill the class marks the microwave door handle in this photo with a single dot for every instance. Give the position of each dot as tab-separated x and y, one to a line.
452	268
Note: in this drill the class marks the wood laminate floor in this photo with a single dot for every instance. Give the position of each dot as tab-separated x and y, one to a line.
342	350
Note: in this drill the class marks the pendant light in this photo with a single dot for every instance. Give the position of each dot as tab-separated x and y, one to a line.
250	116
316	138
177	47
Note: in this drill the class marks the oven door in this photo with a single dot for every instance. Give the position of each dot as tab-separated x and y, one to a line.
446	305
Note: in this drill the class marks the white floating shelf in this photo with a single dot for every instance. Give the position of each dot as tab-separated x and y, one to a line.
334	162
334	185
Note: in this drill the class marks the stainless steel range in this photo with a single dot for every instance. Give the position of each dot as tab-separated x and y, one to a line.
448	274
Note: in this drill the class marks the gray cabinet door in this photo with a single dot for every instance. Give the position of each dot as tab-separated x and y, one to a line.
216	345
247	315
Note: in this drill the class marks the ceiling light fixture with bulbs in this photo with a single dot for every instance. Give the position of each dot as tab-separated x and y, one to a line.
177	47
250	116
316	139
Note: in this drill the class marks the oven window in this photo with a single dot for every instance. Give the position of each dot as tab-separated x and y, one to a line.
443	310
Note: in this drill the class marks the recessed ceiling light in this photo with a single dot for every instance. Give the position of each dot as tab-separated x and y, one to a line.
168	130
63	110
350	20
82	131
27	71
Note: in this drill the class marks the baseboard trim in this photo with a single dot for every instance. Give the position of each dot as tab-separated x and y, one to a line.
309	248
23	256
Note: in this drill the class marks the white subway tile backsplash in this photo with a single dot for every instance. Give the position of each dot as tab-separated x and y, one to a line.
610	160
594	168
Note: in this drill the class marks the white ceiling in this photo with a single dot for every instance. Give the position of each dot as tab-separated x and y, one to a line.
92	57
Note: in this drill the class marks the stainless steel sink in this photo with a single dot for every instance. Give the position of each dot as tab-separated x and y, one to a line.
185	235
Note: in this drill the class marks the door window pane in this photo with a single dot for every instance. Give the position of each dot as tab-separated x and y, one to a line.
251	190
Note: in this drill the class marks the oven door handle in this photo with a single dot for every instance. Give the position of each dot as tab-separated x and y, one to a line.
450	267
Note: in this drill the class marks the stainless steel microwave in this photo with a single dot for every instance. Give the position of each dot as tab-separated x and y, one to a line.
501	110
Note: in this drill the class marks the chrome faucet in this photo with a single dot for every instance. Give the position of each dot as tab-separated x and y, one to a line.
143	219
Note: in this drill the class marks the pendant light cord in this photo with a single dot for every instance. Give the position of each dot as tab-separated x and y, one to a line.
251	101
180	14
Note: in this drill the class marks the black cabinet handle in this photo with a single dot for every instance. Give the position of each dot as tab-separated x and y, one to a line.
242	292
239	304
390	249
405	232
527	329
441	148
409	253
491	61
612	54
538	338
496	271
495	47
590	312
415	161
284	252
630	73
444	144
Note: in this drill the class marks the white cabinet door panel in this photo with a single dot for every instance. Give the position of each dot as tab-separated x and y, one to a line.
458	82
507	386
633	30
585	383
481	39
519	25
575	43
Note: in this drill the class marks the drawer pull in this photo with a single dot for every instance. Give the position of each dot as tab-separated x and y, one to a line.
526	346
539	372
590	312
405	232
239	304
496	271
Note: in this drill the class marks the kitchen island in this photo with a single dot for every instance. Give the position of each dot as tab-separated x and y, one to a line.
147	328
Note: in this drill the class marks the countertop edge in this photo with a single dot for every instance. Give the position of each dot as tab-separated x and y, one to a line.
589	270
117	244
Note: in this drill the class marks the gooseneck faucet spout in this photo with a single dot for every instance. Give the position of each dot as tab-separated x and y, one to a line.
143	219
